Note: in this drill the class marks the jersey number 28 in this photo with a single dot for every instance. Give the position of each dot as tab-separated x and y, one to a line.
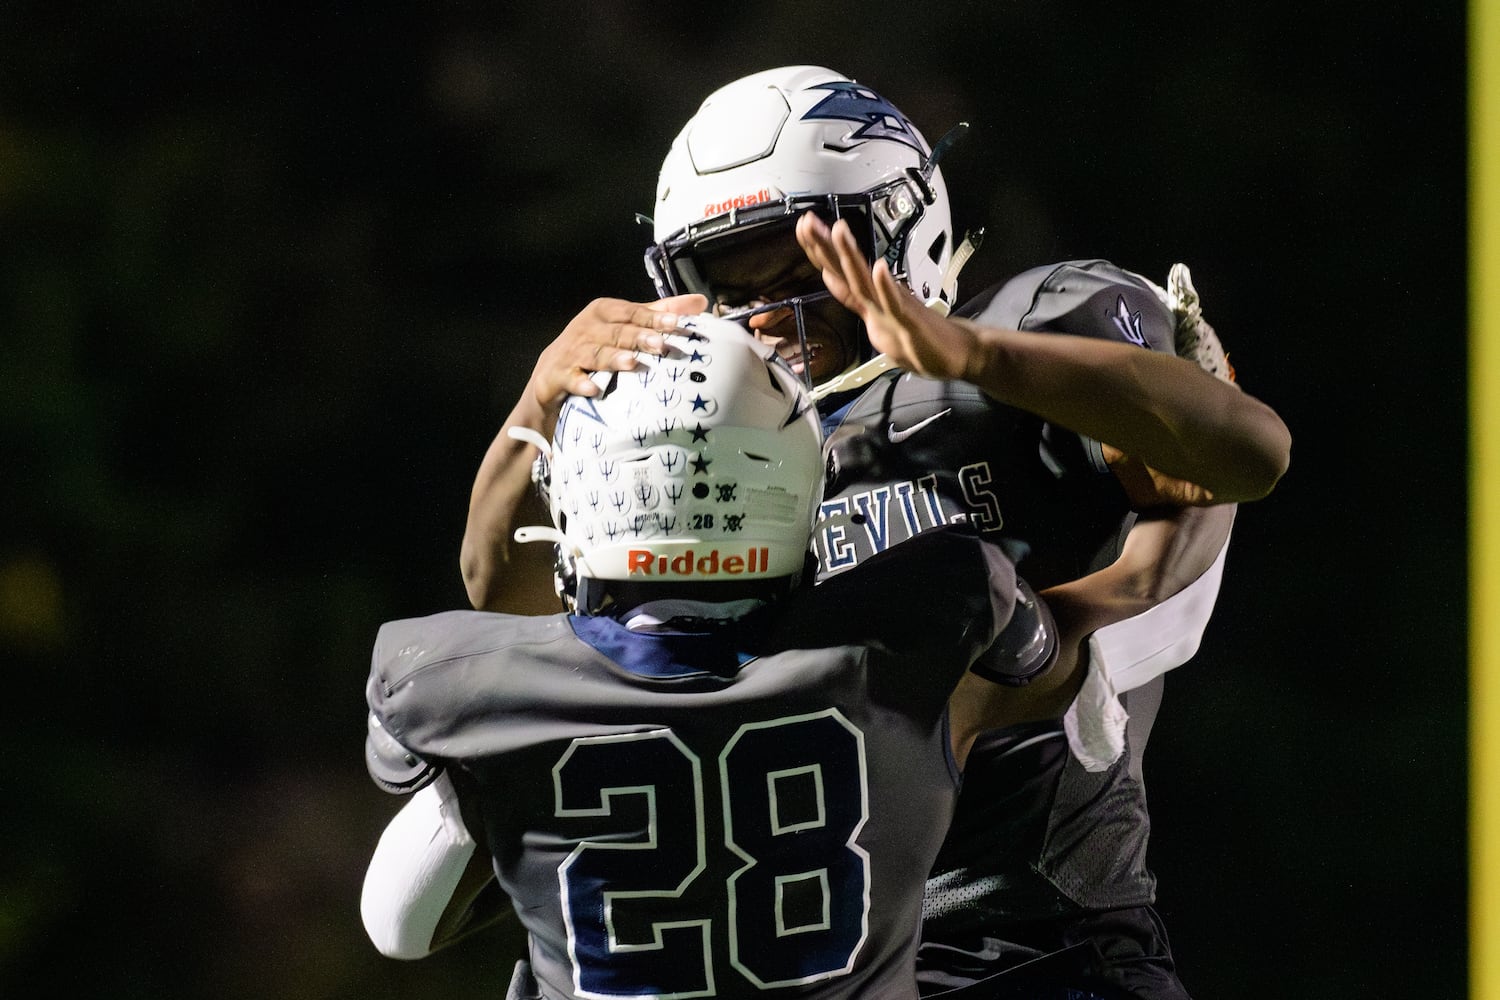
795	799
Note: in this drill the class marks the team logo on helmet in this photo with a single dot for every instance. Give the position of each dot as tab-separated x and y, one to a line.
848	101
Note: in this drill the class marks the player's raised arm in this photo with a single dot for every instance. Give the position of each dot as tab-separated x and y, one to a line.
1162	410
608	335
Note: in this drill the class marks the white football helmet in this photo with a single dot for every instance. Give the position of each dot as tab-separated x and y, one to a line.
702	467
762	150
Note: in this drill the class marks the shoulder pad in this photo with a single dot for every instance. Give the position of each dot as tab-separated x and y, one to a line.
393	767
1025	647
1086	298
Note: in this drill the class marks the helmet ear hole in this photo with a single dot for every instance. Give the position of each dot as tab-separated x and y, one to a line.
935	252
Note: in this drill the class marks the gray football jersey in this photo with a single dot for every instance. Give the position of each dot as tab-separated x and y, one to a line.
908	453
1035	837
748	809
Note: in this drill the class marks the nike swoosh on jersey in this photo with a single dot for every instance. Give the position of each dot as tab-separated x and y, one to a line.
898	436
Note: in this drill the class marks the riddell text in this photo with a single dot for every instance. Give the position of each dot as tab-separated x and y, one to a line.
689	563
760	197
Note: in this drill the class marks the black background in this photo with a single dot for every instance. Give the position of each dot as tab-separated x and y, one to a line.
270	282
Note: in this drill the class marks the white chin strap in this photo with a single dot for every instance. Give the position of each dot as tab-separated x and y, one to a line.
943	302
539	533
854	377
542	533
532	437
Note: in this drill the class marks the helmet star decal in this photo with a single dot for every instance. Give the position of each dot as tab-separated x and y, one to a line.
877	117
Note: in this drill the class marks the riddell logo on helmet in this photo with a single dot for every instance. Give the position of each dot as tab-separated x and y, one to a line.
761	197
690	564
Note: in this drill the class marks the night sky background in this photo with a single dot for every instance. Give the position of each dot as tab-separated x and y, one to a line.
270	282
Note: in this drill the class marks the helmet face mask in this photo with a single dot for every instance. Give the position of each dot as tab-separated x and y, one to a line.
759	268
686	261
697	475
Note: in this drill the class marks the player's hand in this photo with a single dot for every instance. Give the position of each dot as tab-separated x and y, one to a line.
608	335
898	324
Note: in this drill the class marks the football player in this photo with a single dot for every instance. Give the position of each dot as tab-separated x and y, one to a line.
1051	445
708	779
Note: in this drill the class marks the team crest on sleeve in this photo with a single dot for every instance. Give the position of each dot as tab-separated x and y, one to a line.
1128	323
876	117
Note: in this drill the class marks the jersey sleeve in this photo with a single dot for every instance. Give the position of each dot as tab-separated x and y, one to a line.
428	676
1083	298
403	649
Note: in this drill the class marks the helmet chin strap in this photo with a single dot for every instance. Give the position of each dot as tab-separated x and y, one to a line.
943	302
539	533
532	437
571	563
544	533
854	377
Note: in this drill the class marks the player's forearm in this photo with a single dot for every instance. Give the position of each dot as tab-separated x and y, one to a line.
1168	550
1163	554
500	486
1158	408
